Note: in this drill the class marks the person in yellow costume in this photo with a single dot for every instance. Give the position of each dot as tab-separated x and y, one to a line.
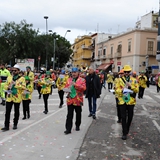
61	82
26	98
30	74
46	84
142	80
126	90
110	78
4	73
14	87
157	79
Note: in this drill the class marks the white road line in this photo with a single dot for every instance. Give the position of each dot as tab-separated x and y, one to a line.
156	124
158	96
144	107
33	124
147	97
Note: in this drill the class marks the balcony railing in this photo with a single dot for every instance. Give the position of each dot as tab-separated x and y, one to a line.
151	53
118	54
86	57
88	47
103	57
110	56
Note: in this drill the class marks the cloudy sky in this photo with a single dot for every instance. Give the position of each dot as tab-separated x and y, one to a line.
79	16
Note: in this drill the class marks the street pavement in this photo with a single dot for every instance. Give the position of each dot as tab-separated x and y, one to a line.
103	138
42	136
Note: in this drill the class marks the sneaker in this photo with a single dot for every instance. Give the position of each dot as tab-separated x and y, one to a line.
45	112
14	127
124	137
119	121
60	106
23	118
5	129
67	132
94	117
77	129
90	115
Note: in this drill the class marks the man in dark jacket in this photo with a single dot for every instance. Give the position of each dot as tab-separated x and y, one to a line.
93	91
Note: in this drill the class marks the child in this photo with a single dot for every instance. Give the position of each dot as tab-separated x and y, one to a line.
26	98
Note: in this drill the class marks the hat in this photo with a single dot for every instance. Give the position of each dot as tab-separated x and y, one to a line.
63	71
27	78
127	68
16	66
75	69
142	72
121	71
48	73
28	67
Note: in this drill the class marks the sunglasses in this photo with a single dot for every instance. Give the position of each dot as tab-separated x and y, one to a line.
14	70
126	71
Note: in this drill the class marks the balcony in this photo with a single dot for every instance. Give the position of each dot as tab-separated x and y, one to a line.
110	56
87	47
151	53
86	57
118	54
103	57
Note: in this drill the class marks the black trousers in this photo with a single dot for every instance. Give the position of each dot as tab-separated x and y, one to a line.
127	112
70	114
141	92
110	85
158	88
26	108
39	91
61	95
45	99
118	110
8	113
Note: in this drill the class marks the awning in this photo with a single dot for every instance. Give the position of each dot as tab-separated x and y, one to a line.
104	66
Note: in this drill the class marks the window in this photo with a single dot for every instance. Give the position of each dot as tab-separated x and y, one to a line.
150	45
104	51
119	48
129	46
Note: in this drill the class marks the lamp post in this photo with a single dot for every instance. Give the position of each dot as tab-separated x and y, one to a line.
54	48
66	32
46	17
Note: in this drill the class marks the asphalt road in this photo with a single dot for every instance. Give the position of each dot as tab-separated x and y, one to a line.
42	136
103	138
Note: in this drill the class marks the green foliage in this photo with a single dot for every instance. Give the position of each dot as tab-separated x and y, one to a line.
22	41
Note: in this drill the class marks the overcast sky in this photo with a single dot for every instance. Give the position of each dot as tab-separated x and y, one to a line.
79	16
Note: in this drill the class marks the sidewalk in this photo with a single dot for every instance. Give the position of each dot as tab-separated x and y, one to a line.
103	139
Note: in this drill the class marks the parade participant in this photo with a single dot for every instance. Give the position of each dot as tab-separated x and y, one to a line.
61	82
126	90
26	98
120	74
142	80
30	74
157	79
14	86
40	77
8	67
4	73
46	89
93	91
110	78
77	86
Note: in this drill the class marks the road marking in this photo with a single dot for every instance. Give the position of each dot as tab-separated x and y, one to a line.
33	124
156	124
107	97
158	96
144	107
147	97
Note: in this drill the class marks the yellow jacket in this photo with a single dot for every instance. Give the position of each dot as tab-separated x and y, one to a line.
14	90
29	89
61	82
110	78
119	91
142	80
46	84
31	76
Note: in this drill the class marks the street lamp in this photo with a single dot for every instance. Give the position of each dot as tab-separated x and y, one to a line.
46	17
66	32
54	49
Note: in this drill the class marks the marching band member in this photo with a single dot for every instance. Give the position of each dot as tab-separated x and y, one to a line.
142	80
14	86
61	82
26	97
110	78
4	73
46	84
126	90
